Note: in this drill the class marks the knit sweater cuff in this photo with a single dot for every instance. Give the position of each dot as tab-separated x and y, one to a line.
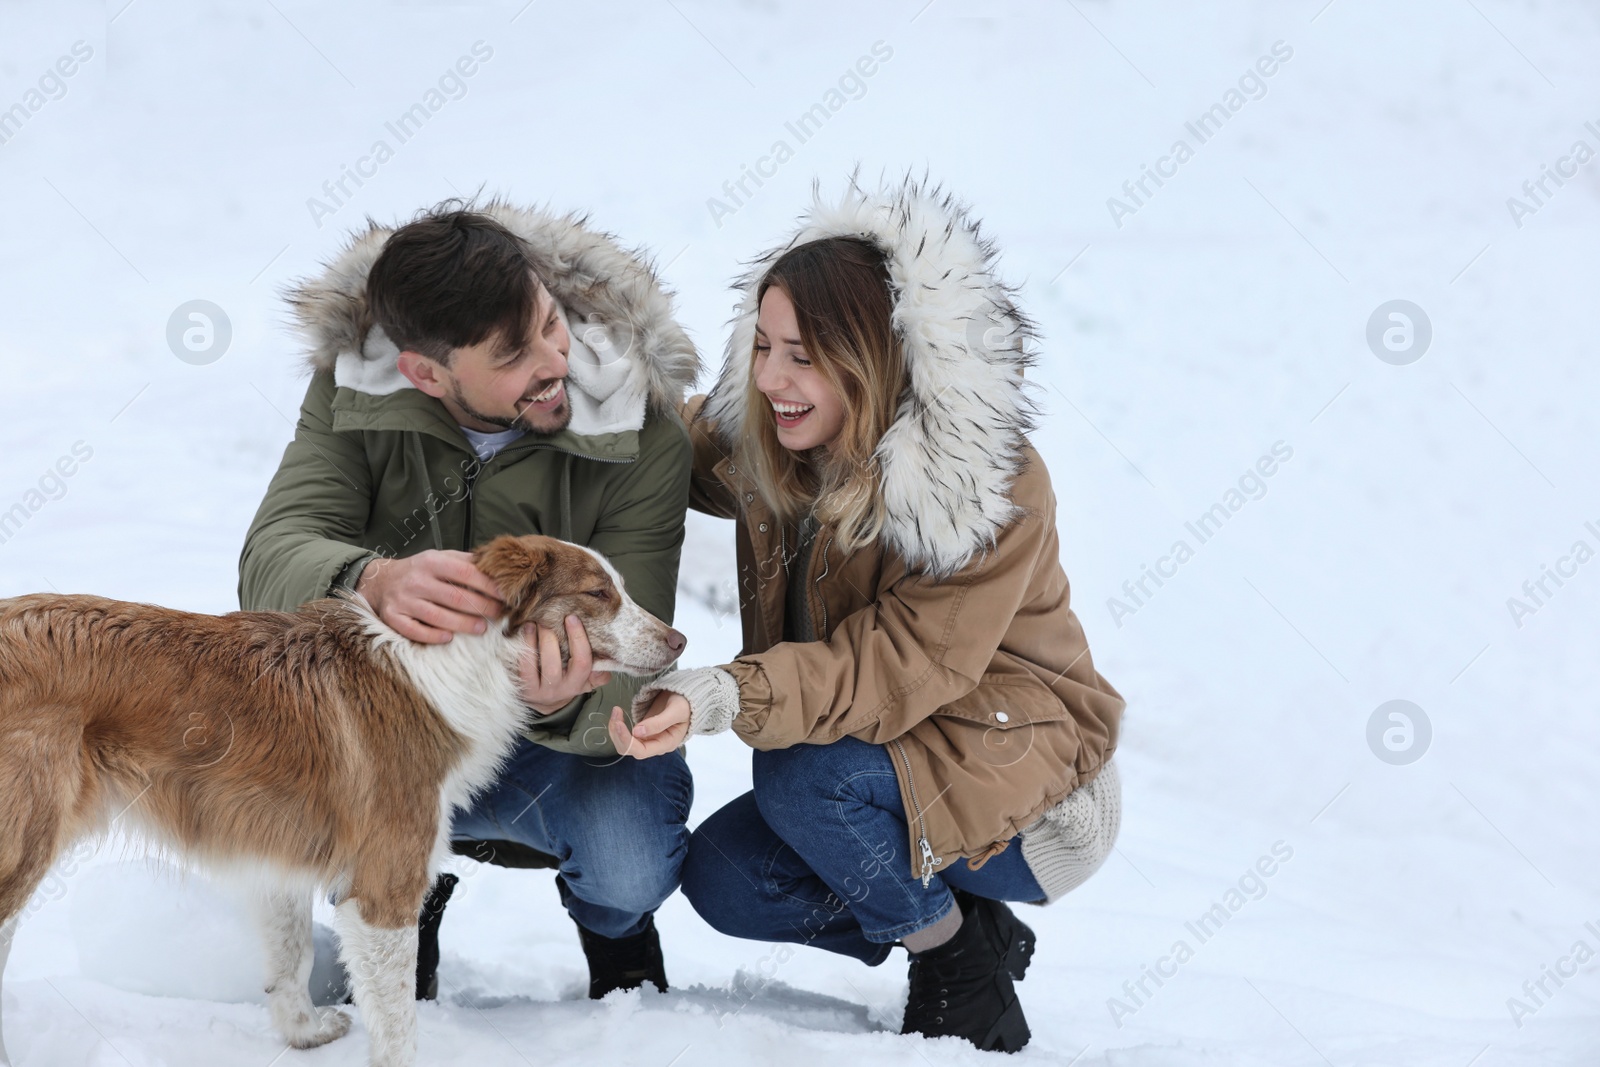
712	693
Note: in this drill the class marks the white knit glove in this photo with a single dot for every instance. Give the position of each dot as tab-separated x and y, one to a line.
712	693
1071	840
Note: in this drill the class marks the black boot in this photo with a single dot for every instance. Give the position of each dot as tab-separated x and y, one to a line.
963	987
619	962
1016	940
428	936
623	962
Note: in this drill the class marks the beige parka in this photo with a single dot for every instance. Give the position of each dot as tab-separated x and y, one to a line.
952	640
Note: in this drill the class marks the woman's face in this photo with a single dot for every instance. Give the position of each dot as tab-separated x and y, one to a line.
806	410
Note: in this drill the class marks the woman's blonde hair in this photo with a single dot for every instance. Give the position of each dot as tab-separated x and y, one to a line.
844	308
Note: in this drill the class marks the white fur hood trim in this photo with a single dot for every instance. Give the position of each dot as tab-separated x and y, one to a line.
958	440
628	352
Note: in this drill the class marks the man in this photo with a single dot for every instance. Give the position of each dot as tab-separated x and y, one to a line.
478	373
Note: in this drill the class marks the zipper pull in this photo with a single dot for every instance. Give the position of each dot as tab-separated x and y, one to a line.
929	862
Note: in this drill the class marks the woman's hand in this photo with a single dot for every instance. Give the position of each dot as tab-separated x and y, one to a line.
661	729
547	686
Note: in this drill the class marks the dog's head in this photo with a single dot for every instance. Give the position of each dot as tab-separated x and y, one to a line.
543	580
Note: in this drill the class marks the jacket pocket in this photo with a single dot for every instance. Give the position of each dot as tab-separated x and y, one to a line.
1006	700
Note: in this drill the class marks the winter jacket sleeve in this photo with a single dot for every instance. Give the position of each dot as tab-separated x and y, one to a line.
305	539
640	532
918	647
707	492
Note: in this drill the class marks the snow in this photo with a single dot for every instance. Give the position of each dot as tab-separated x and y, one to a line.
1227	313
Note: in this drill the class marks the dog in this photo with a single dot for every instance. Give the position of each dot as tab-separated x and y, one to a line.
308	750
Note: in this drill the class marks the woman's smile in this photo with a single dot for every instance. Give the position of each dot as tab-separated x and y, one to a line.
789	413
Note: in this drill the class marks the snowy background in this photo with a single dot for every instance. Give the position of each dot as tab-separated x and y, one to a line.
1225	313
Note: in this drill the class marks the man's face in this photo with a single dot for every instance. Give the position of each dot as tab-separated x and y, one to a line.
501	384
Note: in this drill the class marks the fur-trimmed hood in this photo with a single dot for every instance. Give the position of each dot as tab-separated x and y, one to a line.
628	353
958	440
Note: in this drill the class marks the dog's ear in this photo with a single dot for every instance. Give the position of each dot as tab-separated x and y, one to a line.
516	565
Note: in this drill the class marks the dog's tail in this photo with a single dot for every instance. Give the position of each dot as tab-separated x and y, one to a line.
8	930
39	784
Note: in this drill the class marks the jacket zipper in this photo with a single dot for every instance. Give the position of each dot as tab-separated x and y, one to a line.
472	507
929	860
821	602
482	467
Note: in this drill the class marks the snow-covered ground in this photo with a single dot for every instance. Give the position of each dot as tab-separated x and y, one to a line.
1190	329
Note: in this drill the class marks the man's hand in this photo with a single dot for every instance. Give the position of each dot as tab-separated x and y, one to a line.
660	730
547	686
429	596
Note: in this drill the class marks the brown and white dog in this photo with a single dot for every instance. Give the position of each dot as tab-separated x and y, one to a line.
305	750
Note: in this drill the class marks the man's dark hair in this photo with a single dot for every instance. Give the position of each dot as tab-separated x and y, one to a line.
450	278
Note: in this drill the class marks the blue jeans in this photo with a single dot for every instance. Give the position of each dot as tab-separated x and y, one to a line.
816	854
615	826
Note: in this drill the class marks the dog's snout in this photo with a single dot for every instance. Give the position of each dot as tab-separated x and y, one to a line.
676	641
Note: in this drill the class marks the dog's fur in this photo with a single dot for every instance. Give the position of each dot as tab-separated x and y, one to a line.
305	749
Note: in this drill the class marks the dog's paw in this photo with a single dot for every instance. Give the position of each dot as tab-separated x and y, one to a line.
316	1027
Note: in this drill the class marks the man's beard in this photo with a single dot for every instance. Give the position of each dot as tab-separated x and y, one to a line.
554	422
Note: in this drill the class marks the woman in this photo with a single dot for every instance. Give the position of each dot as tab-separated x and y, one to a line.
931	735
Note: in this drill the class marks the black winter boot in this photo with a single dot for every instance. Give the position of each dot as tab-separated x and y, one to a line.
963	987
623	962
1016	939
428	936
619	962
